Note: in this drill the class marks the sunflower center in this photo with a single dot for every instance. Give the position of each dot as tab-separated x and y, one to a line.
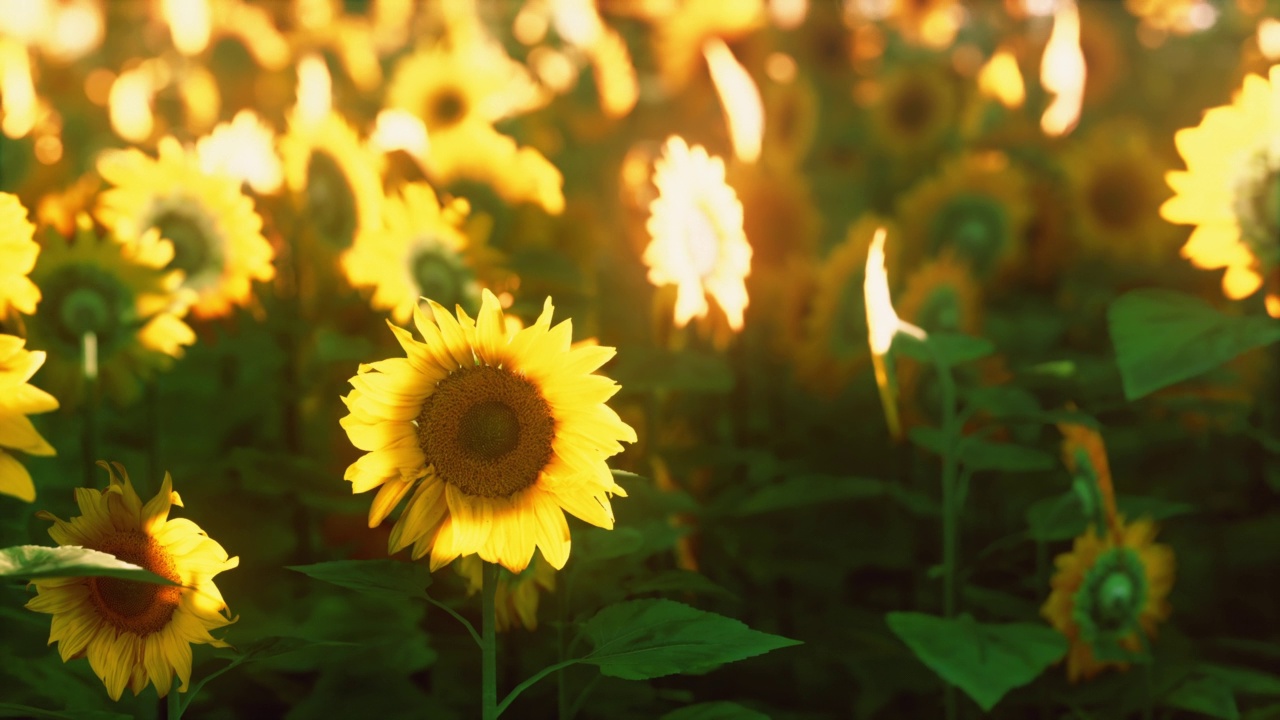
131	606
191	246
487	431
437	277
1116	196
703	242
331	203
445	108
1112	595
975	227
85	310
83	298
914	108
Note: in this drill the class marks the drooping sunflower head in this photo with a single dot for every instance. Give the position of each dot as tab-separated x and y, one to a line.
121	295
916	109
18	400
18	251
135	633
697	242
1231	190
1109	594
517	595
336	179
215	232
494	430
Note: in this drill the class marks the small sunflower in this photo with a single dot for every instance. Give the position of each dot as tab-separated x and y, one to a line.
498	430
516	599
215	231
119	292
977	207
1231	190
336	179
17	401
18	251
1109	594
916	109
135	633
697	241
420	251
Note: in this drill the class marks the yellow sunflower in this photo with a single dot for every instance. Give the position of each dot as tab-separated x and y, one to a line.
516	599
121	294
215	231
697	239
917	107
1117	183
420	251
136	633
1231	190
977	207
494	431
17	401
1109	593
18	251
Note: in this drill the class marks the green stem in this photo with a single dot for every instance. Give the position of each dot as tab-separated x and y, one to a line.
489	645
174	701
950	504
532	681
562	691
465	623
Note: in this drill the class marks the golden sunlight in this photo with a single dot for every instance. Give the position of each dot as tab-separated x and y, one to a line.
740	98
1063	71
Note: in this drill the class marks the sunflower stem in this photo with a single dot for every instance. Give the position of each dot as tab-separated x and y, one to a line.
489	644
950	504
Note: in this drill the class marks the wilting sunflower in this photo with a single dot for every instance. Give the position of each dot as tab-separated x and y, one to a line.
336	179
216	234
516	598
420	251
135	633
976	207
1231	190
916	108
17	401
697	241
1108	596
121	294
498	430
18	253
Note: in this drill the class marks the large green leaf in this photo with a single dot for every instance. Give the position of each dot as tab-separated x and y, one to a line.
1245	681
643	639
375	577
1163	337
1204	694
32	562
984	660
721	710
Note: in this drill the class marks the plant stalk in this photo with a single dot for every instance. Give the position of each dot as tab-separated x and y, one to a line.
489	644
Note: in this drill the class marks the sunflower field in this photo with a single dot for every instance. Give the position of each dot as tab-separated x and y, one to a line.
614	359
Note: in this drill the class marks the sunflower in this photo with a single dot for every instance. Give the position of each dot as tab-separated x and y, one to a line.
244	149
18	253
336	179
494	431
216	234
420	251
1117	183
697	241
1231	190
17	401
516	599
121	294
916	109
1108	596
976	207
679	34
135	633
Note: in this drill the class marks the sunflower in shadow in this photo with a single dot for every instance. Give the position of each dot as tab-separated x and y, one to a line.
916	108
516	599
215	232
119	293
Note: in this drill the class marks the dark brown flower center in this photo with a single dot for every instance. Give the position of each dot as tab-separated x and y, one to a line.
445	108
914	107
487	431
131	606
1118	196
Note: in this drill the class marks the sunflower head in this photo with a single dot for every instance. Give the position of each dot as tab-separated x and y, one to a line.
917	107
135	633
18	251
17	400
494	430
336	180
516	598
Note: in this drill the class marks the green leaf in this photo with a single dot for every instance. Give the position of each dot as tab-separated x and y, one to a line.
13	710
928	438
643	639
1163	337
1060	517
986	661
374	577
979	455
1246	681
721	710
951	348
1204	694
809	490
32	562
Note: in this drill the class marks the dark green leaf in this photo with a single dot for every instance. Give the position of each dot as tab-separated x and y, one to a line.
1060	517
715	711
1203	694
375	577
928	438
1163	337
979	455
950	348
1134	507
643	639
1246	681
32	562
984	660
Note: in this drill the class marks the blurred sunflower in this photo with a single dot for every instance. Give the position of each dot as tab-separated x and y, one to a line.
1108	593
1231	190
976	207
680	33
215	232
931	22
498	430
336	179
917	107
135	633
119	292
18	251
17	401
697	239
516	599
1117	183
420	251
244	149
